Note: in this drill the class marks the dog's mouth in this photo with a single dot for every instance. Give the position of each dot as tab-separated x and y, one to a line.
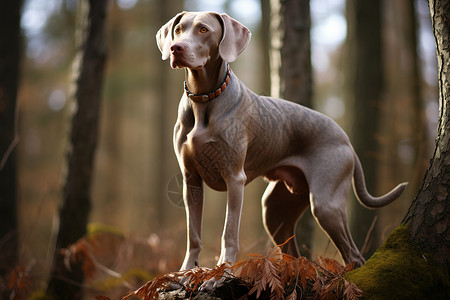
178	61
176	65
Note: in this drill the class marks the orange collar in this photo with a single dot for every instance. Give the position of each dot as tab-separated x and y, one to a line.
202	98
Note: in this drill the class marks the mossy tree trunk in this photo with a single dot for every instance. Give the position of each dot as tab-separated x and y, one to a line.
415	259
88	69
429	214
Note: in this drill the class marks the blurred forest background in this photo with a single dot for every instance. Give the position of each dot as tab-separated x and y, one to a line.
136	182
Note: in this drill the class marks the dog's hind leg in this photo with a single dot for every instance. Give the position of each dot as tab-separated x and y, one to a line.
330	210
281	212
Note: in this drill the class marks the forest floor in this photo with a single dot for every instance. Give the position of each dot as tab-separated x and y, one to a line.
275	276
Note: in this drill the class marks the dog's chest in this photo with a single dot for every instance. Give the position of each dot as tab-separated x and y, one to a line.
206	152
207	148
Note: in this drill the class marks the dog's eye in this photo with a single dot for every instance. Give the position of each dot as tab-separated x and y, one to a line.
177	30
203	29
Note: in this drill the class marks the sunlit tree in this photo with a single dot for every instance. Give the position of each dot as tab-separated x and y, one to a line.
88	68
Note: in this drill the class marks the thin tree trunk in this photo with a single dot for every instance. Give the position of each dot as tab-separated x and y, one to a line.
365	85
404	130
88	69
291	72
9	77
265	46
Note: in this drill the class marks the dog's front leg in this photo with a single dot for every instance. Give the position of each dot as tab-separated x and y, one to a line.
193	202
230	237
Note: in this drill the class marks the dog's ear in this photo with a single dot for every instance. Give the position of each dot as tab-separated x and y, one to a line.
164	36
235	38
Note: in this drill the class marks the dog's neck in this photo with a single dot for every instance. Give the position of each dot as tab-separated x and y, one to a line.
206	79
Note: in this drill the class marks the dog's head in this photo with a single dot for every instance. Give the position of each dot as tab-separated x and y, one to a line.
191	39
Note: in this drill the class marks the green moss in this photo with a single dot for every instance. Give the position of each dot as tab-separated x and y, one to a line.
98	228
398	270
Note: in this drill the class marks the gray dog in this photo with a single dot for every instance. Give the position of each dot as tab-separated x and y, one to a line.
226	136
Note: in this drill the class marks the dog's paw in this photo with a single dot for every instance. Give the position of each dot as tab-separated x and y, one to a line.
211	284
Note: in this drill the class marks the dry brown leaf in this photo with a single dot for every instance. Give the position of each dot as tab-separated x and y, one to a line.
80	253
275	273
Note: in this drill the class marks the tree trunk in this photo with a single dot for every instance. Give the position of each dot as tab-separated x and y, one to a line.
291	74
406	155
414	261
365	85
9	77
429	214
265	46
88	68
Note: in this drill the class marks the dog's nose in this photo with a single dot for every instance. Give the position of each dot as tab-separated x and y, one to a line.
178	47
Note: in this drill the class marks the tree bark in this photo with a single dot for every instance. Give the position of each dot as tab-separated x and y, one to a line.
291	74
429	214
265	46
365	86
10	38
88	68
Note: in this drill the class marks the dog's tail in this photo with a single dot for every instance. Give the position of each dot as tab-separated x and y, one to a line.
359	185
